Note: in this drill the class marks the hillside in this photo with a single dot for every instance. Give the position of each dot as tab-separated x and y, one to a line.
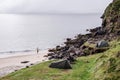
103	66
111	17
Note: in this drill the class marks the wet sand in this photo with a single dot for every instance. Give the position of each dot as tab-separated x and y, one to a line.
10	64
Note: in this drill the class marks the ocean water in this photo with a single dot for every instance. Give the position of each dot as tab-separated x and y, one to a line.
27	32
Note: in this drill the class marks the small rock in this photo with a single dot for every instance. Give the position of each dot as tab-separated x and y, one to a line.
25	61
31	64
27	66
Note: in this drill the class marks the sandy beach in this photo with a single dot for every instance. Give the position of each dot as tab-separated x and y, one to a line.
10	64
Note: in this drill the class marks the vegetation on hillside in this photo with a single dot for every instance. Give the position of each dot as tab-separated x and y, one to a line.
111	17
113	8
102	66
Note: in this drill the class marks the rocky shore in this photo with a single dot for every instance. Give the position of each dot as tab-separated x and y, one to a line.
96	41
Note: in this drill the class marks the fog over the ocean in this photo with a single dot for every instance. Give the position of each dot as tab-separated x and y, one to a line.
53	6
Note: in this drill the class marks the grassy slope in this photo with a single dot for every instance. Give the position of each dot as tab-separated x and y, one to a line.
113	9
104	66
112	16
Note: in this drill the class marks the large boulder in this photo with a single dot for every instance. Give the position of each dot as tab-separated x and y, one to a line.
102	44
63	64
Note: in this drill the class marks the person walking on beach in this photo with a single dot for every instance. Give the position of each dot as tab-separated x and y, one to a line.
37	50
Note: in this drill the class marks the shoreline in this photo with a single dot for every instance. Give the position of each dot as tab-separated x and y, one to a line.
14	63
7	54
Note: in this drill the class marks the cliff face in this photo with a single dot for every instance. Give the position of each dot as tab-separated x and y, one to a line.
111	17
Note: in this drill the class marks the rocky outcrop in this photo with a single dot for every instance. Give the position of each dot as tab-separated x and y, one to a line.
111	17
109	30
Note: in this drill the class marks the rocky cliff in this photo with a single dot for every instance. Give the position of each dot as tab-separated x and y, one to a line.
111	17
83	45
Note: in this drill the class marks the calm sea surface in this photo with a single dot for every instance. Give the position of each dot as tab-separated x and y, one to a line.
27	32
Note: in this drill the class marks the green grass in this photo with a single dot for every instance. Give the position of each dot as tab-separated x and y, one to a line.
89	44
113	7
102	66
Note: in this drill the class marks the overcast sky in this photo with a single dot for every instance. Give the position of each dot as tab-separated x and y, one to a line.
53	6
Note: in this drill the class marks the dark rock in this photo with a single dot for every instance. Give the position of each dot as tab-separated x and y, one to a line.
100	50
25	62
71	59
102	44
118	32
65	48
51	50
63	64
31	64
81	43
50	54
102	16
100	32
87	29
95	29
83	47
89	35
104	23
16	70
87	62
27	66
58	48
51	57
79	36
92	50
68	39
